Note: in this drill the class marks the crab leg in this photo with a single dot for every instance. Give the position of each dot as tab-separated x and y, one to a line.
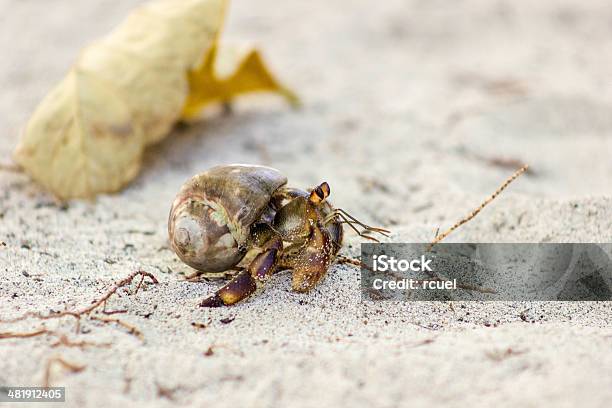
238	288
312	261
249	280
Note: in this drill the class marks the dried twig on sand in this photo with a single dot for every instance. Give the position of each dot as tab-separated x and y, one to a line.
112	312
131	328
440	237
64	341
59	360
23	335
470	216
475	212
77	314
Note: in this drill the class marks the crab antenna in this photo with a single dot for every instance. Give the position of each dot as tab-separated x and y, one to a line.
346	218
381	231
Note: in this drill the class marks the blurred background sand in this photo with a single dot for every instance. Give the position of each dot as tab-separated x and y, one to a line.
414	111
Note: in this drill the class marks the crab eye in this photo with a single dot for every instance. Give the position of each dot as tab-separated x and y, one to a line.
324	187
319	193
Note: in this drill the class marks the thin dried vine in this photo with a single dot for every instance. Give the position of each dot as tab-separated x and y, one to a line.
475	212
23	335
133	330
439	237
77	314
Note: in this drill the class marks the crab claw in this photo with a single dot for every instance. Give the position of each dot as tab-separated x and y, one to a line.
246	282
312	262
240	287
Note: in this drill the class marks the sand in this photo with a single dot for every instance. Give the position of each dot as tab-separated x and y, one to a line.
413	112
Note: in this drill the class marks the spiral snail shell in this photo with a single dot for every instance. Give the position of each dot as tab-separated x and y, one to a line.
211	216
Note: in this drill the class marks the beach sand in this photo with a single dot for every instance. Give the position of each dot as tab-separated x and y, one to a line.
413	112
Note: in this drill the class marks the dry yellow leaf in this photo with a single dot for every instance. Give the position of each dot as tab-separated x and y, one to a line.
127	90
248	73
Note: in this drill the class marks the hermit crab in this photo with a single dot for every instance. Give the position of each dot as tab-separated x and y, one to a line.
244	219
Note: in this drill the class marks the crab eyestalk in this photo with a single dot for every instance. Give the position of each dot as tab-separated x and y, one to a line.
319	193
